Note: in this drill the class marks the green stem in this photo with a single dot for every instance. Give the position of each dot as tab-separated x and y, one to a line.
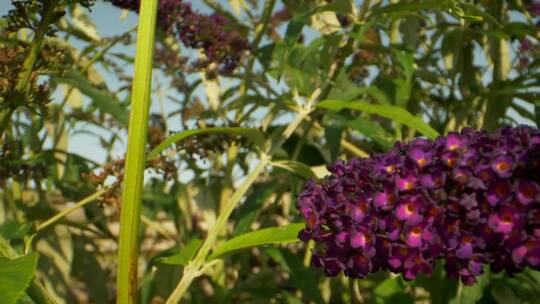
5	117
196	267
35	291
22	86
260	31
496	108
193	270
35	47
135	158
85	201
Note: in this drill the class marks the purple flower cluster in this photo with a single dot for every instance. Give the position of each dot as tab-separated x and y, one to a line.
470	198
221	45
534	8
208	32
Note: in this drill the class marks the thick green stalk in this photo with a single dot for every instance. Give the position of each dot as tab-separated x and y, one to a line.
135	158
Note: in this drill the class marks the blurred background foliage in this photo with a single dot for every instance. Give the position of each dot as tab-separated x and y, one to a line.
389	70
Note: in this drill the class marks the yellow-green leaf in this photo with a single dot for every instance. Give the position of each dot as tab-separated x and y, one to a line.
274	235
395	113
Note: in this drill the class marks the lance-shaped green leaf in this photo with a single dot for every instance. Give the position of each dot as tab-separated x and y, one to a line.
394	113
274	235
410	7
253	135
101	99
15	276
296	167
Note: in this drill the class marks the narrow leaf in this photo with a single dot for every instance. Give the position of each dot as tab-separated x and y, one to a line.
410	7
274	235
394	113
103	100
296	167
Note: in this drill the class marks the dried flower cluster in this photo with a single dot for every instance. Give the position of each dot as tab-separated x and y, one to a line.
470	198
210	33
12	165
11	65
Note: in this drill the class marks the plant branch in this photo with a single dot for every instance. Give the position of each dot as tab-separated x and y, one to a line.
260	31
22	86
193	269
85	201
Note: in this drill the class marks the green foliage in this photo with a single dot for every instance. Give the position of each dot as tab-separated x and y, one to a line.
215	165
274	235
395	113
15	276
183	256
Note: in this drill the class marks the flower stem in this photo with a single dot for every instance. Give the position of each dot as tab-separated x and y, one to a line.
198	264
22	86
135	158
260	31
85	201
192	270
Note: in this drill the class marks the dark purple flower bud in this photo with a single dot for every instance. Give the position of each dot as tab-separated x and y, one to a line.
498	191
434	179
415	264
469	201
526	45
534	9
385	199
466	247
527	191
470	198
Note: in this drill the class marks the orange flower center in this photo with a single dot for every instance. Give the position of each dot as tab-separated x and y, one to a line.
408	185
453	146
502	166
416	231
409	208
